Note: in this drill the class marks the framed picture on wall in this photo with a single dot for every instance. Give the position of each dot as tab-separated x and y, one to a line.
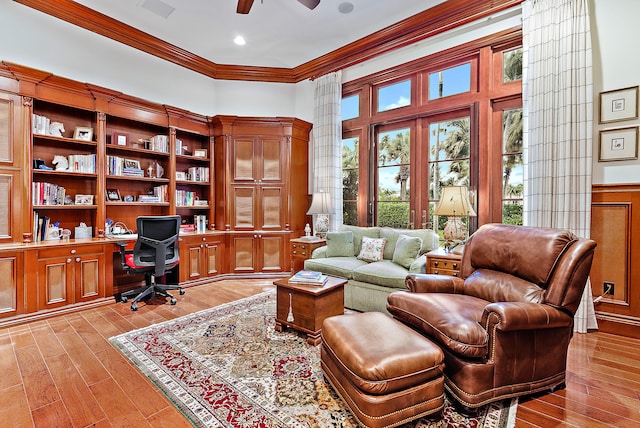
621	104
618	144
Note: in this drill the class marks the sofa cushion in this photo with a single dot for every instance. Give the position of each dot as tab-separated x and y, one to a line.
372	249
406	251
430	240
336	266
384	273
456	329
340	244
358	233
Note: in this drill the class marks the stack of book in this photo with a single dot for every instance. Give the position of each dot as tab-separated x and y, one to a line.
308	277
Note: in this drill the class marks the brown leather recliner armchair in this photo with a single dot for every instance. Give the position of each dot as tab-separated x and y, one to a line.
505	324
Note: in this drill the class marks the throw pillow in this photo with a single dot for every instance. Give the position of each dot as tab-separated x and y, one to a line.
407	249
372	249
340	244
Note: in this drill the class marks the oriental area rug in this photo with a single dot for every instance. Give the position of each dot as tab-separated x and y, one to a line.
228	367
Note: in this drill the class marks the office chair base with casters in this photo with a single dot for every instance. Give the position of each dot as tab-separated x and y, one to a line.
155	253
150	291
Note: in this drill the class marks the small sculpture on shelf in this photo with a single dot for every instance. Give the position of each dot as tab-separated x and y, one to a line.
61	163
56	129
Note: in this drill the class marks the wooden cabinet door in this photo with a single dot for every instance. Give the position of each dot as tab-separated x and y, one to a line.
244	207
212	258
89	277
243	253
271	159
12	284
13	219
55	282
272	208
243	164
272	253
190	263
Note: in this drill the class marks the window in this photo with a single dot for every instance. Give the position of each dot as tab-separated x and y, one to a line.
394	96
350	107
451	81
393	173
512	166
438	121
512	65
350	153
449	158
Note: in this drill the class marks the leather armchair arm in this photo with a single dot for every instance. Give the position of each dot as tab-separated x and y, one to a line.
429	283
512	316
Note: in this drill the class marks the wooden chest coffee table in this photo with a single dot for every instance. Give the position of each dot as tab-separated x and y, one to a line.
304	307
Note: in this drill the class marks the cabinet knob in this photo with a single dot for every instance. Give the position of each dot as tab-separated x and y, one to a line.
294	252
73	251
77	259
436	272
436	263
68	260
455	265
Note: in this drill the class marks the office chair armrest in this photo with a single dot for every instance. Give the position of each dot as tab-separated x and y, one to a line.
123	253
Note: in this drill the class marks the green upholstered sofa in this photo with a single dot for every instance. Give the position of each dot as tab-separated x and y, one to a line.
370	282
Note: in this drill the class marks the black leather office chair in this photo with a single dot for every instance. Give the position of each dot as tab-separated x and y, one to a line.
154	254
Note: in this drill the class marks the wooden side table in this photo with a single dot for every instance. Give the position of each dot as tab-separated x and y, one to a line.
442	262
301	250
304	307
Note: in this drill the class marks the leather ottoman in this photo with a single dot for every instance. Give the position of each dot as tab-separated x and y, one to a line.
386	373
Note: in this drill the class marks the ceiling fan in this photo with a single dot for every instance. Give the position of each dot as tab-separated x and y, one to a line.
244	6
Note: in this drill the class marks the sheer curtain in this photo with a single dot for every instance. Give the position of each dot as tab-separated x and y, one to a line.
326	150
558	123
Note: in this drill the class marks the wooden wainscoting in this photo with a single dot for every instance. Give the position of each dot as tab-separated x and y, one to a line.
615	226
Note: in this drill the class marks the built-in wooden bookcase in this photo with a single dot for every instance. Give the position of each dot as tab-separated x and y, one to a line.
138	167
194	173
63	192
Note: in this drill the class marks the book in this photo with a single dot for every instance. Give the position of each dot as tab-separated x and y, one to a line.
308	277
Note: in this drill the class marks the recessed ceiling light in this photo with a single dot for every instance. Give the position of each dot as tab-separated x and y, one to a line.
345	7
240	41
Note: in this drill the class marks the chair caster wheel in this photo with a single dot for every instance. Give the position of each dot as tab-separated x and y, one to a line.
134	307
182	292
124	299
173	301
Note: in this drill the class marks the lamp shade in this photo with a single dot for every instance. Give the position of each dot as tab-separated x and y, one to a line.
321	203
454	201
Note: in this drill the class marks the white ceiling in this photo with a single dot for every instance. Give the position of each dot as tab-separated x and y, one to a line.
279	33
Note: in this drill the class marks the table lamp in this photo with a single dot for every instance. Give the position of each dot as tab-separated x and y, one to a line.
454	203
321	207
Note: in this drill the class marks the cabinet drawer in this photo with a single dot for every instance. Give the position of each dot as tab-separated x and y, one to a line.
69	250
302	250
444	264
200	239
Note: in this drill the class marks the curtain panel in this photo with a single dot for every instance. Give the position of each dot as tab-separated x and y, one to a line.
558	123
326	160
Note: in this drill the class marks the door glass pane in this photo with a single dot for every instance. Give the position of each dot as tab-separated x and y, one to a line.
451	81
512	65
350	153
393	178
350	107
449	159
394	96
512	167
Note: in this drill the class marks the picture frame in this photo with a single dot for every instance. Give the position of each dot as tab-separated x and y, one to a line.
113	195
132	163
83	133
84	200
619	105
618	144
200	153
120	139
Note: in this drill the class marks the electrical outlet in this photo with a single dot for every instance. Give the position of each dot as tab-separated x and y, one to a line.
608	288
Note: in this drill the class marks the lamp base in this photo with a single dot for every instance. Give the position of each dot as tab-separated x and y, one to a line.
454	230
322	225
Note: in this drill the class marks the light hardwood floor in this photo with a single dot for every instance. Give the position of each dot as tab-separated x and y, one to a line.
63	371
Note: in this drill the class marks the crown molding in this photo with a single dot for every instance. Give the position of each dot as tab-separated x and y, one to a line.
438	19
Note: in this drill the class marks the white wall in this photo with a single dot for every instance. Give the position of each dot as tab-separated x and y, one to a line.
616	65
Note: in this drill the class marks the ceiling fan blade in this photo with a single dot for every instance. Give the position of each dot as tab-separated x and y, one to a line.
244	6
311	4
